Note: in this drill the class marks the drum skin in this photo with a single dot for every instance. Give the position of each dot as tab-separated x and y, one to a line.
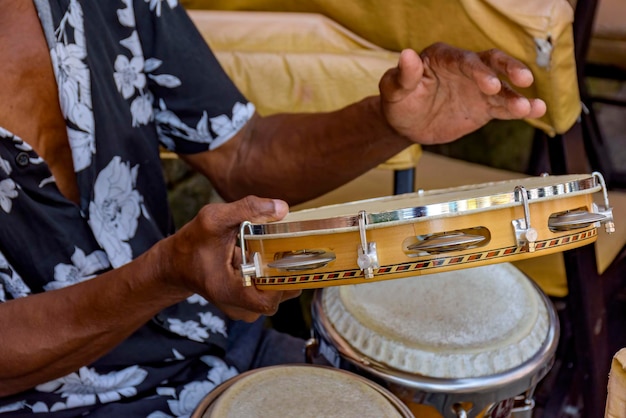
300	390
489	211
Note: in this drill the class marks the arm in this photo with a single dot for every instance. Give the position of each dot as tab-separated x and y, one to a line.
56	332
435	97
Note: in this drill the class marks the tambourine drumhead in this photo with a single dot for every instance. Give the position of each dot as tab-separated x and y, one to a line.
458	324
303	391
432	203
422	233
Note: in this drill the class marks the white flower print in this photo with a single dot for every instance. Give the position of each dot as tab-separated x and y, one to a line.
225	127
129	75
177	355
155	5
189	398
133	44
126	16
74	17
169	125
12	407
85	386
83	268
115	210
158	414
193	393
5	133
214	323
196	298
166	80
189	329
8	191
73	78
83	147
220	371
5	166
11	281
141	109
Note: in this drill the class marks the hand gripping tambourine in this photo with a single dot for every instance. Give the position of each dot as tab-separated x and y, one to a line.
424	232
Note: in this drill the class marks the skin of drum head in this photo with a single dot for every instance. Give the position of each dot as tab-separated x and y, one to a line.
303	391
458	324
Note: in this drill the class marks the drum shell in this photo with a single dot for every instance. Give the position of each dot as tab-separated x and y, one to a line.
442	394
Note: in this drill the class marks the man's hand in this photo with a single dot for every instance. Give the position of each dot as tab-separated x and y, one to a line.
446	92
204	257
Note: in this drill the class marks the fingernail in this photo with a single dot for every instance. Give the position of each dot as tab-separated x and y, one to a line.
280	207
525	72
495	82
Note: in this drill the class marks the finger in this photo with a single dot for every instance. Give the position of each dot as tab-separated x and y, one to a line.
254	209
509	104
538	108
398	82
516	71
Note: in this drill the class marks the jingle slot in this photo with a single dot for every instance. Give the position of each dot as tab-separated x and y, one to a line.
302	259
457	240
574	219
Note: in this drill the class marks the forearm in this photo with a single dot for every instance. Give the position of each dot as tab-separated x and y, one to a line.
49	335
296	157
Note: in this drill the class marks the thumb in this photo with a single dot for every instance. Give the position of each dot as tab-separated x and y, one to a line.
257	210
398	82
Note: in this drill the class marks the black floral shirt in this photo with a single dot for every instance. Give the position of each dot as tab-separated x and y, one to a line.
131	75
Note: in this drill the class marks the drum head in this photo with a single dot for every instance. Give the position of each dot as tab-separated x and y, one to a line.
302	391
458	324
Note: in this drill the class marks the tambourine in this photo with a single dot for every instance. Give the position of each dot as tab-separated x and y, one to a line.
424	232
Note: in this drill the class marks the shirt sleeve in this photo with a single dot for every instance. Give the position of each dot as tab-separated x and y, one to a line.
196	105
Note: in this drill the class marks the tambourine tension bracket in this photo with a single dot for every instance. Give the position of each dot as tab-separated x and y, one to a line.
525	234
606	210
248	270
367	259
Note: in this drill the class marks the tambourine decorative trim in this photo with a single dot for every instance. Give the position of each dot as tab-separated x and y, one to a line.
438	262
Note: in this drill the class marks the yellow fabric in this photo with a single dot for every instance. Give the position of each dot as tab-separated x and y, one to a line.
616	399
298	62
510	25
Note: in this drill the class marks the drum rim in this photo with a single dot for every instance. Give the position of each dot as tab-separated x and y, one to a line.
507	383
569	184
207	401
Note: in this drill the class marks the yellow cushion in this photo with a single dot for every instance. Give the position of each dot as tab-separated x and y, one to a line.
513	26
616	398
299	62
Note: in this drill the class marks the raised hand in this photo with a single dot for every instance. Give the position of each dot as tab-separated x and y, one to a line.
445	92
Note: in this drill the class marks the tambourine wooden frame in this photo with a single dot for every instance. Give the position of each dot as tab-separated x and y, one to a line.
493	206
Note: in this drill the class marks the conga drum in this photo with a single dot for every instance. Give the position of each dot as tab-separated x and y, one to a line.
303	391
461	343
424	232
